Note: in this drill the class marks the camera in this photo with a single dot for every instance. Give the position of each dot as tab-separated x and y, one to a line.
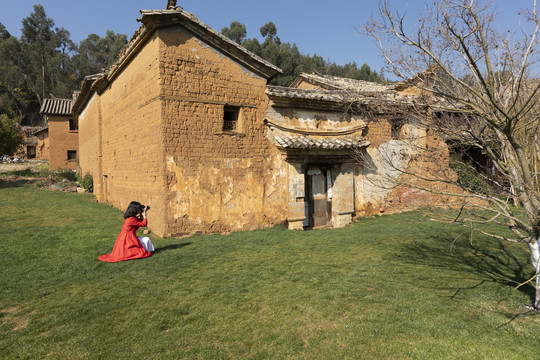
145	207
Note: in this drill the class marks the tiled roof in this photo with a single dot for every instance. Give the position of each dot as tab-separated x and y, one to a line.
356	96
339	96
360	91
309	142
288	140
330	82
56	107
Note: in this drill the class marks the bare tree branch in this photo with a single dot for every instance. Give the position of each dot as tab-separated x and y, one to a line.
479	87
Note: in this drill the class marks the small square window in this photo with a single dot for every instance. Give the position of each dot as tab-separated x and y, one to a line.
230	118
72	154
73	125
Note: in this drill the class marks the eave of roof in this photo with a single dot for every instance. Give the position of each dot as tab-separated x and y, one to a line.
86	92
309	141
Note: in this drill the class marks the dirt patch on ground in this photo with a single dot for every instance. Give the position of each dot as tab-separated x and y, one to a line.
13	319
4	167
49	182
41	182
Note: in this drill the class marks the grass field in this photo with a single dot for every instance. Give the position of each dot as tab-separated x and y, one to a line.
390	287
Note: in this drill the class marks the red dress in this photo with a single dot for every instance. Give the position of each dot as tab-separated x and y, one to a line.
127	245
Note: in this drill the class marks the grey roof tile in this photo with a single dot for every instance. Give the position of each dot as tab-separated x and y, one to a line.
330	82
309	141
56	107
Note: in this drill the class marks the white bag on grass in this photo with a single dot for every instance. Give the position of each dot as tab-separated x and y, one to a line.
146	243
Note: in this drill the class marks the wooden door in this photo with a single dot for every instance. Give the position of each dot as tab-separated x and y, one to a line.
319	208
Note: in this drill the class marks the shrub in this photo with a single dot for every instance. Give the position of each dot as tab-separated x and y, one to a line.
470	178
43	170
86	182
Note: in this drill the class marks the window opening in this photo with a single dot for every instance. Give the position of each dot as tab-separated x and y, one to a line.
72	154
73	125
230	118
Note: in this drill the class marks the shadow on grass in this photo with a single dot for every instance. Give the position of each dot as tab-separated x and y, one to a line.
518	315
171	247
490	260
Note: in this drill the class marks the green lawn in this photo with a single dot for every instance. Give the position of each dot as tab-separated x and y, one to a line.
389	287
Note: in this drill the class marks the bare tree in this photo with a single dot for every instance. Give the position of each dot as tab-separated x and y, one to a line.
481	87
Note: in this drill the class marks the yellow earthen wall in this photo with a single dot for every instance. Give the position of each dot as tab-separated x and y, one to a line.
132	160
217	181
42	147
378	131
427	157
61	139
307	86
89	142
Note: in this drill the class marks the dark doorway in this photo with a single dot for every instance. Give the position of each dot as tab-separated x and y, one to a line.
31	152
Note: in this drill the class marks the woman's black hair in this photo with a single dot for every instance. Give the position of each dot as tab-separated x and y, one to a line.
134	209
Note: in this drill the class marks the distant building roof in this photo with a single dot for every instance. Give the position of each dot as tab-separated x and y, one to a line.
56	107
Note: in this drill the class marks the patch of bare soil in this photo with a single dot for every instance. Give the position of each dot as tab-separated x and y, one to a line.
4	167
13	319
46	182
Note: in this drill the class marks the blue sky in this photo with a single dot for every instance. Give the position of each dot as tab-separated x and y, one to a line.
325	28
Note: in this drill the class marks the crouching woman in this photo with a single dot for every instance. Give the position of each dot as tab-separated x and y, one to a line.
128	246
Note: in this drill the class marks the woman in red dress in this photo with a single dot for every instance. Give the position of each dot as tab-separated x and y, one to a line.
127	245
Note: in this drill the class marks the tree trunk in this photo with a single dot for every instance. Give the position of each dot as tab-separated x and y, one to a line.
535	259
536	304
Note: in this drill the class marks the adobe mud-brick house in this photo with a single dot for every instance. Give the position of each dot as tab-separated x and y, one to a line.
345	140
27	149
177	124
59	142
185	122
